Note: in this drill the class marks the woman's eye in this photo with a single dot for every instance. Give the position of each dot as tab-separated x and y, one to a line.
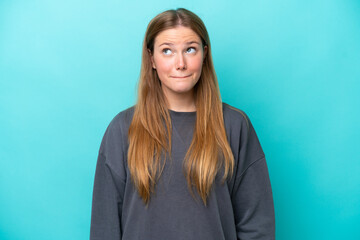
191	50
166	51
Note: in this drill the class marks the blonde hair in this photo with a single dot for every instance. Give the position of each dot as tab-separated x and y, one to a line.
150	130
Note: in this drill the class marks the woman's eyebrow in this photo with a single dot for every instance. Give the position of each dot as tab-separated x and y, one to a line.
187	43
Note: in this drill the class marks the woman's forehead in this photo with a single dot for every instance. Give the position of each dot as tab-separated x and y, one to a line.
178	35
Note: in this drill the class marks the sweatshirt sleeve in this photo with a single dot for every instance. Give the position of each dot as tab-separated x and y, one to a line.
109	186
252	195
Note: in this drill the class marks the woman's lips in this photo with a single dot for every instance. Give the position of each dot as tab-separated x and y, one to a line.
181	76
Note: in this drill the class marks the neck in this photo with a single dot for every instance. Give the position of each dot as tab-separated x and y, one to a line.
181	102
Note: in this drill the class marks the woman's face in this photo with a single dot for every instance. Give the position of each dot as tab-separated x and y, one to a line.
178	57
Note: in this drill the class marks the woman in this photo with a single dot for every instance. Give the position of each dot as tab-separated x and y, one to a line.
180	164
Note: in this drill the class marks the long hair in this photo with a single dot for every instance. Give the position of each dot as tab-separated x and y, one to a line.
150	130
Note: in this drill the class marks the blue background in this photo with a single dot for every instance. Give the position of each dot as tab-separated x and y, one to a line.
68	67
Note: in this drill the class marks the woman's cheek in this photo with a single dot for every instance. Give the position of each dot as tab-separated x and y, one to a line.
195	63
165	64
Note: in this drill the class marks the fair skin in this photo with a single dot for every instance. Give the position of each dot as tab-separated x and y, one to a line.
178	57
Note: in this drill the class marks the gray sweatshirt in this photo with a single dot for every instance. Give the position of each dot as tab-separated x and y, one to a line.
241	208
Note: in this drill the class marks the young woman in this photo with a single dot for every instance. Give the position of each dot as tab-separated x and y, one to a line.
180	164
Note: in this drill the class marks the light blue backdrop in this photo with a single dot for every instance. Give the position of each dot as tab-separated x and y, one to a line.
68	67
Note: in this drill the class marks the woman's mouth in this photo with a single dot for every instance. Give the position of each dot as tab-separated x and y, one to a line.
181	76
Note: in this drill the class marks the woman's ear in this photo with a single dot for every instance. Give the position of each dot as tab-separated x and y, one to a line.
205	51
152	59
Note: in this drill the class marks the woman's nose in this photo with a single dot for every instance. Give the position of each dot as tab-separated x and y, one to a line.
180	62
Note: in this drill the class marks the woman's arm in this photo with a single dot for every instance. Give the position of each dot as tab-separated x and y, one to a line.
109	185
253	204
252	194
106	204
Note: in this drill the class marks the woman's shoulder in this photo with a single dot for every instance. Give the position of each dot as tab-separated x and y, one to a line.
117	130
124	117
121	121
235	115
